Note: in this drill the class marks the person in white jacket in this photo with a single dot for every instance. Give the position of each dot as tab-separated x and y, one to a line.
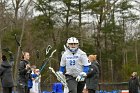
36	79
75	62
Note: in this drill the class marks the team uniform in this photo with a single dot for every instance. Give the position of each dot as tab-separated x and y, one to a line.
74	62
76	65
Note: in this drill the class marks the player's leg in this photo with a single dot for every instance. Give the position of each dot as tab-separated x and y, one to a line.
72	84
80	86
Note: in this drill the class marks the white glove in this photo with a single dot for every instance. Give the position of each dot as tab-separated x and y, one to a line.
80	78
83	74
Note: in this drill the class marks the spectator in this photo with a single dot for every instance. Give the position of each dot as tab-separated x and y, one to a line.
93	74
133	83
36	78
24	73
30	81
6	74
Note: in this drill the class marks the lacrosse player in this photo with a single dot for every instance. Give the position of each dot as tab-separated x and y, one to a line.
74	63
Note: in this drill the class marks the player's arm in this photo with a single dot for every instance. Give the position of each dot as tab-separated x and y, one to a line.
84	60
62	69
62	64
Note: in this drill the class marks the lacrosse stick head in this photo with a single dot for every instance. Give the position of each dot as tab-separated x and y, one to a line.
48	49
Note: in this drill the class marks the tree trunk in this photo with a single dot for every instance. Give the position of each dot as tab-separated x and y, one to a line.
0	50
68	4
80	23
21	37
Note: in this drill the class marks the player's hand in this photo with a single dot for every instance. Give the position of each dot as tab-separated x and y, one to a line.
60	72
83	74
80	78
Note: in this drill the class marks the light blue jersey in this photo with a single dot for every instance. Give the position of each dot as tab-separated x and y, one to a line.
74	63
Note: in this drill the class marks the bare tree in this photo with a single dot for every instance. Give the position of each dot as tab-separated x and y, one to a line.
24	7
3	22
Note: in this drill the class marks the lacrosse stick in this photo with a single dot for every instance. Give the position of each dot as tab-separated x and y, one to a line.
7	50
18	43
48	60
59	76
47	51
43	66
65	48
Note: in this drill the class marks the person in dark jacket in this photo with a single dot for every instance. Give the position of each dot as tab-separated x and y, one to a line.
93	75
24	73
6	74
133	83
